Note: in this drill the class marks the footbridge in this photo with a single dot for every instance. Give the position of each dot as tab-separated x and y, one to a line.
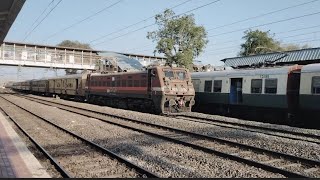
44	56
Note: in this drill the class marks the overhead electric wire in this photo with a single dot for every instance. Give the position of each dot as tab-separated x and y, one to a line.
40	16
144	20
229	41
86	18
272	12
276	33
156	23
274	22
41	20
299	34
296	41
310	27
278	39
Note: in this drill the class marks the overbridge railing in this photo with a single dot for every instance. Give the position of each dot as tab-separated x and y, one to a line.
47	56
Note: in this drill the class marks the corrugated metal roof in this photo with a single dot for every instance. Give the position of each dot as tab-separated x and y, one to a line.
124	62
310	54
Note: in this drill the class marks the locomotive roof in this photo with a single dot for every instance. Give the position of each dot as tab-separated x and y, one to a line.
69	76
311	68
120	73
242	72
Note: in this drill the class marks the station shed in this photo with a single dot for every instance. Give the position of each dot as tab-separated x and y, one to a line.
9	10
301	57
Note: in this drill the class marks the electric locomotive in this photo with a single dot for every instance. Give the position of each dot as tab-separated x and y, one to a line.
158	89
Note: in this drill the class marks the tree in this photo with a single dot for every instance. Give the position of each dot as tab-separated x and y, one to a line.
261	42
291	47
258	42
73	44
179	38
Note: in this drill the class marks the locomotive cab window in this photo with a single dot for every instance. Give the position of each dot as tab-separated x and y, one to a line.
217	85
271	86
181	75
207	86
168	74
316	85
256	86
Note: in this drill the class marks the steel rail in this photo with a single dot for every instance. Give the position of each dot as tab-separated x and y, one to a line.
257	127
139	169
208	121
58	167
239	159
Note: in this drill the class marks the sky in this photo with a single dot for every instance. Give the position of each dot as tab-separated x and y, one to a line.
225	22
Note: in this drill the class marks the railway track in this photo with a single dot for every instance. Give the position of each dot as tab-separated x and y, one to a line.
71	154
312	138
276	162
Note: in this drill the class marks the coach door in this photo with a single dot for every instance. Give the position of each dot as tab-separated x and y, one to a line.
235	96
150	75
293	91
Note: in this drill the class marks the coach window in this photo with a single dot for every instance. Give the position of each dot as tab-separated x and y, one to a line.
217	85
256	86
316	85
108	84
118	83
113	83
207	86
271	86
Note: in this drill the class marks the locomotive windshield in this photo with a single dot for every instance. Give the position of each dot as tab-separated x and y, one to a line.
168	74
181	75
175	74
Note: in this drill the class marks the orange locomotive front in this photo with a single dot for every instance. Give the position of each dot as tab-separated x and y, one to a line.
158	89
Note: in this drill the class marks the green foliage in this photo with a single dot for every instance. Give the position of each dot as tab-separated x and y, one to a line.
179	38
260	42
291	47
74	44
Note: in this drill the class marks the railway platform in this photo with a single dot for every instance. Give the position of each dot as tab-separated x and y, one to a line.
16	161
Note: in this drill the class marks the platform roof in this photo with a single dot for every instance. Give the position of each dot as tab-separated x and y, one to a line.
9	10
304	56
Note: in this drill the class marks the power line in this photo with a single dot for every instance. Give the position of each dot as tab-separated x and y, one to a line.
156	23
310	27
274	22
300	34
144	20
272	12
276	33
278	39
297	41
229	41
42	20
88	17
40	16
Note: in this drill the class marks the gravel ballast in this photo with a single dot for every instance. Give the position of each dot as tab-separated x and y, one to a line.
284	145
161	157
